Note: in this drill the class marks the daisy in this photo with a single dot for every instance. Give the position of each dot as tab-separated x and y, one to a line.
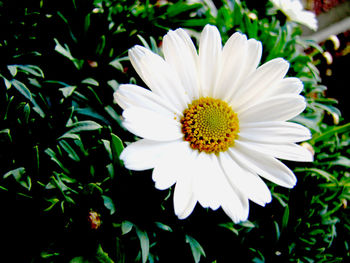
294	11
213	123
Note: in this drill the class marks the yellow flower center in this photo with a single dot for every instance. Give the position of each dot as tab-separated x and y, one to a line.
210	125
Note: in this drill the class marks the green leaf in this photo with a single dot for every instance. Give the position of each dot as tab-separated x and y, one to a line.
53	202
64	51
92	90
247	224
3	188
285	217
31	69
22	89
101	256
20	176
144	42
46	254
91	113
107	146
109	204
101	45
163	227
90	81
329	133
68	91
237	13
81	126
65	190
79	260
116	63
116	146
277	228
326	175
329	108
54	158
37	109
179	7
113	84
342	161
280	198
196	248
111	112
70	151
110	169
126	227
144	243
26	111
7	132
230	226
8	83
12	69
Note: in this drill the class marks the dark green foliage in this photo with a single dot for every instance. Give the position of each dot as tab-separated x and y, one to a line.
65	195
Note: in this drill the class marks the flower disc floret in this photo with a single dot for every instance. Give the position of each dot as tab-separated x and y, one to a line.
210	125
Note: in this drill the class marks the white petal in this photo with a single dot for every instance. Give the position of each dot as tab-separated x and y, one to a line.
233	55
273	132
128	95
184	198
159	76
259	82
254	56
282	87
181	54
279	108
287	85
287	151
248	183
184	201
209	59
163	177
248	65
309	19
306	18
144	154
264	165
151	125
205	183
234	203
171	166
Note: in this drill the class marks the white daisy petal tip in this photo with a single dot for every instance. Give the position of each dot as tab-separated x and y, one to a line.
212	122
210	28
136	52
256	46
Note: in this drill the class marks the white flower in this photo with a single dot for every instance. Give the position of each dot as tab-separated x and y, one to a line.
294	11
212	123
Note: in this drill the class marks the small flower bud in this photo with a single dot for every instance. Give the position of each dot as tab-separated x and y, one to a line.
335	41
97	10
328	57
329	72
335	118
94	219
252	16
345	203
92	63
